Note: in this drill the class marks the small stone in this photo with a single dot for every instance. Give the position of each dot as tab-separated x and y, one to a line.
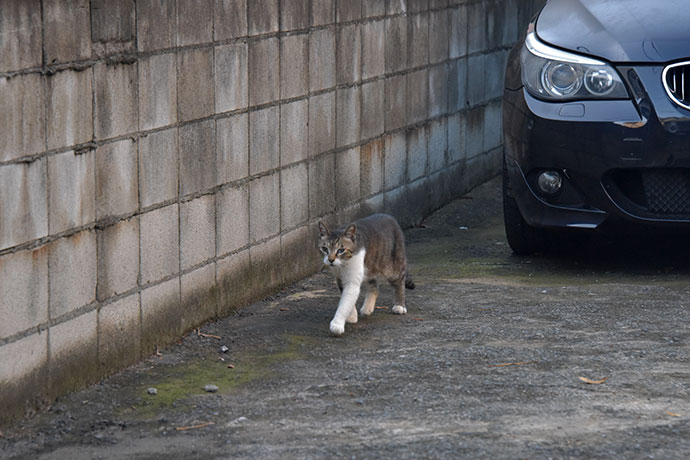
152	391
224	349
211	388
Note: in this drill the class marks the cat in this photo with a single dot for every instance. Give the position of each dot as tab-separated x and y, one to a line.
367	251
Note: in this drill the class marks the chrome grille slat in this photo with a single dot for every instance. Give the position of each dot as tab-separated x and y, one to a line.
675	84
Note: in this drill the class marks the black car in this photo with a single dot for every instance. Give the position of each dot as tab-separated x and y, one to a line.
596	119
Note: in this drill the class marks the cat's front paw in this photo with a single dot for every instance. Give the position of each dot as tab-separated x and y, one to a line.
337	328
399	310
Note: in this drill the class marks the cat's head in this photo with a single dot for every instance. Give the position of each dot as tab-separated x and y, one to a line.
336	247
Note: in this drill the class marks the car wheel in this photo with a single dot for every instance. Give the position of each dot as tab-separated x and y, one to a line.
522	237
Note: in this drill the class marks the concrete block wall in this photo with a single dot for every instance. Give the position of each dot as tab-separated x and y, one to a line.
164	162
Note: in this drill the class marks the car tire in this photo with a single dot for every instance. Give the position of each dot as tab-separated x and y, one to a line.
523	239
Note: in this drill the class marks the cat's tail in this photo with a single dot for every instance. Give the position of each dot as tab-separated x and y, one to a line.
409	284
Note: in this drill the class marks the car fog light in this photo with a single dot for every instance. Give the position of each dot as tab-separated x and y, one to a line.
549	182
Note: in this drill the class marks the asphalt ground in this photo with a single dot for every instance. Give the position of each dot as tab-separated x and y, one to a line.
581	353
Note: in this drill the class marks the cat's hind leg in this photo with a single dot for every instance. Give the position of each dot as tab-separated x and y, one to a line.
370	298
399	285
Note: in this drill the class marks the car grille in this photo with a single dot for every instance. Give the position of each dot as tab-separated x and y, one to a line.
654	193
676	78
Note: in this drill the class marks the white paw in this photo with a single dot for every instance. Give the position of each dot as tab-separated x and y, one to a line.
399	310
337	328
364	312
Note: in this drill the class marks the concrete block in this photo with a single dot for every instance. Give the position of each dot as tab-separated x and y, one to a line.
348	109
234	278
25	304
156	25
294	119
199	296
299	257
231	77
119	339
482	167
157	91
396	44
264	140
72	266
457	184
347	177
419	199
436	4
197	157
475	131
264	71
113	26
416	153
22	120
476	27
373	205
372	117
457	85
69	110
195	84
373	49
510	24
20	49
349	54
158	167
262	16
417	96
294	52
439	185
457	137
395	115
266	273
395	203
438	90
348	11
321	186
418	40
457	46
371	168
321	59
294	14
321	123
117	183
438	36
232	148
118	258
160	244
194	21
373	8
437	145
24	374
322	12
161	315
230	19
72	190
495	65
493	126
495	23
115	100
294	195
232	219
197	231
23	203
476	80
62	43
396	6
394	160
264	207
74	353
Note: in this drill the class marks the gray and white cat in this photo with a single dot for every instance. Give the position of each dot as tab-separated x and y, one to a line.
365	252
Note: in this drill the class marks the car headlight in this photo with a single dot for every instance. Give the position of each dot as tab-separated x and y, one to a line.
550	73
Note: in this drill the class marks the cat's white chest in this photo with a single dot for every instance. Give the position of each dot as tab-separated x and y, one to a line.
351	271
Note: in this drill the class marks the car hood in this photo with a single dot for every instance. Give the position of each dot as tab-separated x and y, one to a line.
640	31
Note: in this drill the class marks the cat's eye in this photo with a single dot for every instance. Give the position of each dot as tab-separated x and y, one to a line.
324	249
341	250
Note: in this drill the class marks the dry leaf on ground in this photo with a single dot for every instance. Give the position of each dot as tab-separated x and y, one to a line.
593	382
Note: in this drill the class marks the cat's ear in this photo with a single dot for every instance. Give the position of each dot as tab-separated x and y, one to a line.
323	230
350	231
